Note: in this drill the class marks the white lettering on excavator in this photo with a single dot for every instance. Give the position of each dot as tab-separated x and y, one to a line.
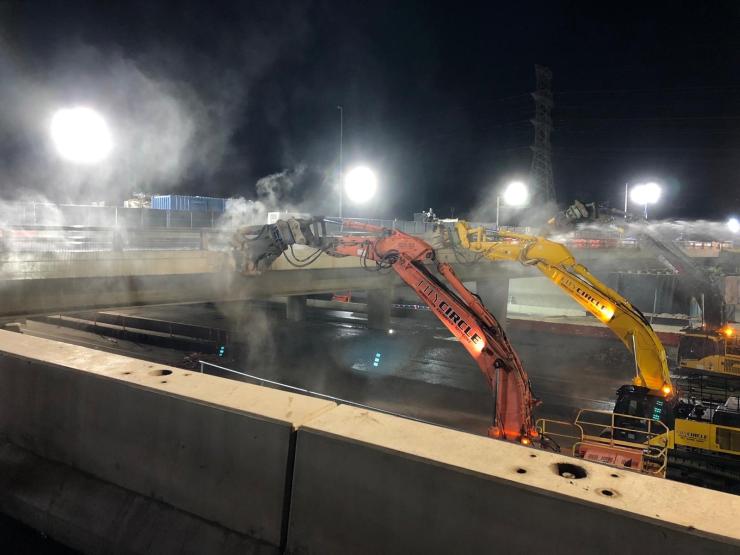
448	312
599	304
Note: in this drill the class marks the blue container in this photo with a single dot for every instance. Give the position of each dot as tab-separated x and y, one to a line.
188	203
216	204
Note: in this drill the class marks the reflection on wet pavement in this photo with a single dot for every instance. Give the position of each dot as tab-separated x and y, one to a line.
416	370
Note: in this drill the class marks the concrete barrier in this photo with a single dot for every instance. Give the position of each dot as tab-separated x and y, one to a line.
539	296
216	448
96	517
112	454
367	482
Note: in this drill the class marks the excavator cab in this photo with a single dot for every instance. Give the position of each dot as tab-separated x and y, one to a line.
710	351
635	405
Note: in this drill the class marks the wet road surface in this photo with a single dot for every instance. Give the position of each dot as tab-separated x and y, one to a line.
419	370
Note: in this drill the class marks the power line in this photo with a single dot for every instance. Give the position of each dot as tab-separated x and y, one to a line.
650	90
648	118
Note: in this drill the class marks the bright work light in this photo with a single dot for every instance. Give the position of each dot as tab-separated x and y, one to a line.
81	135
360	184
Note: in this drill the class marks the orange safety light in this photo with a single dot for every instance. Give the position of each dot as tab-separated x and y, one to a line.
526	441
666	389
727	331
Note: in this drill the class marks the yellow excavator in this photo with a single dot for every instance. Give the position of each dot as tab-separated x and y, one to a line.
557	263
709	350
651	429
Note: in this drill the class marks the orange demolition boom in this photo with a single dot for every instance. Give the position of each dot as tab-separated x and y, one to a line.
460	310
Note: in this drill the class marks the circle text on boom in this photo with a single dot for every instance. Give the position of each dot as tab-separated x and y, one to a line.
81	135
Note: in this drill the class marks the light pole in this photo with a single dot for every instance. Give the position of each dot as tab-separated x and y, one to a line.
626	194
341	147
644	194
515	194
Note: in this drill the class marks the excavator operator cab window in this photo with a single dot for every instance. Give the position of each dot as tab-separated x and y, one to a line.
697	347
727	420
733	345
638	402
728	414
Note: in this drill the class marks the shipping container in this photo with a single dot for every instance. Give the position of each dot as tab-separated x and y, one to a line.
188	203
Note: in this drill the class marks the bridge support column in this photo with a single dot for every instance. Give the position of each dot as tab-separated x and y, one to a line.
295	309
379	308
495	295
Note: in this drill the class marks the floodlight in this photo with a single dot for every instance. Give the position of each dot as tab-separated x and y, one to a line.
360	184
81	135
516	194
733	224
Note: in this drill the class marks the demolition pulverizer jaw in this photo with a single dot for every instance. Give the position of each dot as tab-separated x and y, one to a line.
295	229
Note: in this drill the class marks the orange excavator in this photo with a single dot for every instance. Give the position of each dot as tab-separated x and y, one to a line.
460	310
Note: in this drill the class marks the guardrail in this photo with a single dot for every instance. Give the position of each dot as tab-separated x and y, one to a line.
72	228
23	214
90	239
620	440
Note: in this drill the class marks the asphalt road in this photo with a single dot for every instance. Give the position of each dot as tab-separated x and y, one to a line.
422	372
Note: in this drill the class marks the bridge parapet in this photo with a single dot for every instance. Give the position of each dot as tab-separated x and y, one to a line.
241	463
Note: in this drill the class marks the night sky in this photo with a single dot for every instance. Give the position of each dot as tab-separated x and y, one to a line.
207	98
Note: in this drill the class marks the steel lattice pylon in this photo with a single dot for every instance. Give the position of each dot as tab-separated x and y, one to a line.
541	170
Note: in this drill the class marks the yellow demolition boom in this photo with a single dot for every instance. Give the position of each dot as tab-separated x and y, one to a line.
557	263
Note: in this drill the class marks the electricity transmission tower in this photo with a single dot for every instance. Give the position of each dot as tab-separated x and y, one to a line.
541	180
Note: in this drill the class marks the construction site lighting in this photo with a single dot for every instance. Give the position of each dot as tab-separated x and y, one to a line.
516	194
81	135
645	193
733	225
360	184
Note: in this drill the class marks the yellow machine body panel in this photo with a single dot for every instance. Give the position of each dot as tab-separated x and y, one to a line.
709	352
707	436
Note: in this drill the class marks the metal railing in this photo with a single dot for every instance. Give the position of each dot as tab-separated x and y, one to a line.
69	227
614	432
46	214
622	431
405	226
60	239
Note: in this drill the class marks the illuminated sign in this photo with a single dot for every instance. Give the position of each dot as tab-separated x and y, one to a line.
657	409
